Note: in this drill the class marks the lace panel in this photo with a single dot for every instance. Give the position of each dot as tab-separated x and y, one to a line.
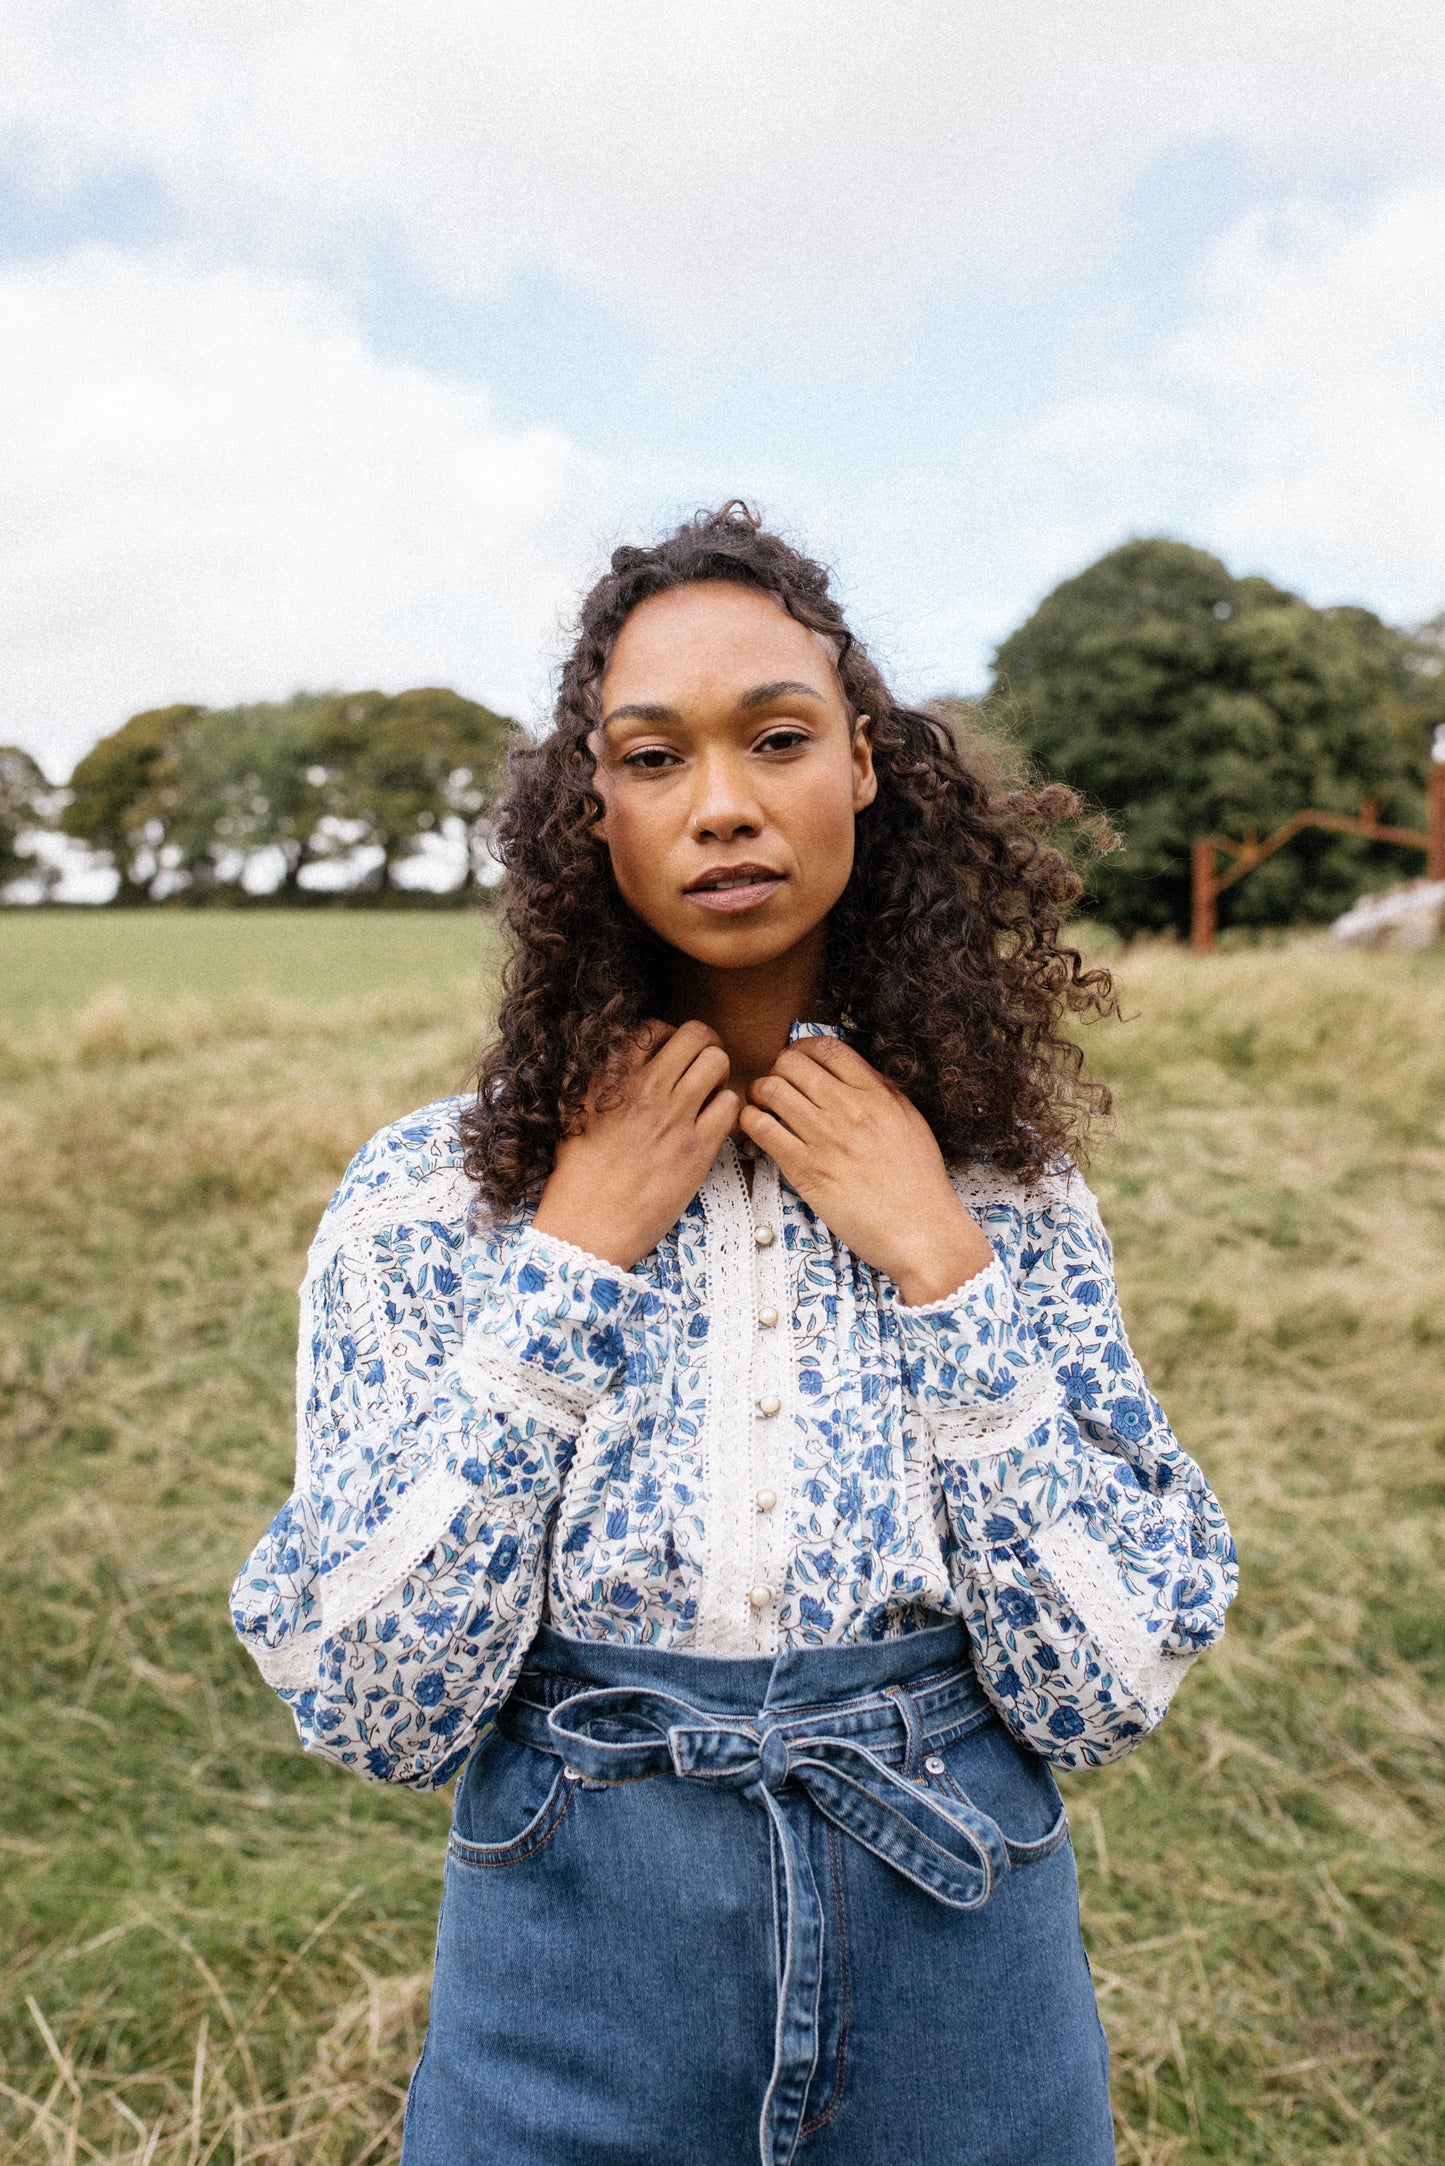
446	1195
291	1667
414	1528
724	1617
937	1592
773	1373
515	1384
1084	1572
996	1425
984	1187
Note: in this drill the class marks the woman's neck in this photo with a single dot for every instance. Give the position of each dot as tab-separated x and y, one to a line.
751	1010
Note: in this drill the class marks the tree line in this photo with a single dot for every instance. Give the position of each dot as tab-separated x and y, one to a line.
323	794
1177	699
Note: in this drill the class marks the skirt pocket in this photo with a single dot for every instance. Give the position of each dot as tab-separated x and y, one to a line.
510	1801
989	1770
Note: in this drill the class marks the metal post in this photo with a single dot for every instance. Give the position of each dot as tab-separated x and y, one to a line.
1435	822
1204	914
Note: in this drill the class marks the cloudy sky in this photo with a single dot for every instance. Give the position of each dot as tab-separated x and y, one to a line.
341	338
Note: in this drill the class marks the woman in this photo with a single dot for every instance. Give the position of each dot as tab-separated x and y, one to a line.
719	1439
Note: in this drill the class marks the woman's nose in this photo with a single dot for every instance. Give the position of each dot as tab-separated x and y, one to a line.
723	806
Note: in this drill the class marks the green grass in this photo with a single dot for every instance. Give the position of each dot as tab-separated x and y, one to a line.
215	1949
56	961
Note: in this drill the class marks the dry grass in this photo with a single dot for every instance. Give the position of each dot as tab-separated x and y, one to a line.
217	1950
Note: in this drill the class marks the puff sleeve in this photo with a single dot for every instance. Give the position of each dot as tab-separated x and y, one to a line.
1090	1555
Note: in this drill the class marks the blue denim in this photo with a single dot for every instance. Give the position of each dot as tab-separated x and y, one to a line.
818	1908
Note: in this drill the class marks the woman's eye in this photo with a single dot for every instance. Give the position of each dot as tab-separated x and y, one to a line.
649	758
782	740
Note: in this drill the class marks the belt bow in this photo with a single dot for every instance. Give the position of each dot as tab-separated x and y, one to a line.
945	1846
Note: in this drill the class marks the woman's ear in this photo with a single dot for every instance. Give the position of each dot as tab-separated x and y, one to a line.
865	779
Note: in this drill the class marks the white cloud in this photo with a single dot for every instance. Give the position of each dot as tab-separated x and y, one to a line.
713	163
1295	424
1319	356
214	492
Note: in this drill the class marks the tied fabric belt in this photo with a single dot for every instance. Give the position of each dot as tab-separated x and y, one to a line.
787	1764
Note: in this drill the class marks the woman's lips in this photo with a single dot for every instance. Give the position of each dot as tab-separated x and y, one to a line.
730	900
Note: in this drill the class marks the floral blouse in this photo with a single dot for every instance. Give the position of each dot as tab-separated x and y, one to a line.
747	1443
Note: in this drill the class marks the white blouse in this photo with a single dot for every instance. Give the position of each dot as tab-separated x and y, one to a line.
747	1443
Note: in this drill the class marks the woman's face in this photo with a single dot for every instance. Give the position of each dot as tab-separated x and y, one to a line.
730	774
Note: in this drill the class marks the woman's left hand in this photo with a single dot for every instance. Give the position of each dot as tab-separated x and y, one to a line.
862	1155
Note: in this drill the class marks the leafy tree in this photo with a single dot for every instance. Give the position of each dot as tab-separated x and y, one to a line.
402	767
187	800
238	786
113	804
1186	702
26	804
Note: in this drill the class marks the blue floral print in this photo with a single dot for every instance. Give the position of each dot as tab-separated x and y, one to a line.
494	1427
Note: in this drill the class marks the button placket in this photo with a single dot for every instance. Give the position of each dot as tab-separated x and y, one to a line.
769	1400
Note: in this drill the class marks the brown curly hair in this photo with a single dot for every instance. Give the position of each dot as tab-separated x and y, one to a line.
944	955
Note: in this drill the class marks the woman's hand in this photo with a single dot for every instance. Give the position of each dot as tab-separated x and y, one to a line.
618	1186
863	1156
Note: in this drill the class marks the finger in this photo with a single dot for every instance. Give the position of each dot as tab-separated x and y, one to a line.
672	1060
808	1076
807	1120
703	1075
788	1154
839	1060
651	1038
719	1117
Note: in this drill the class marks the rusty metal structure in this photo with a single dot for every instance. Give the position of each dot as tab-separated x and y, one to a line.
1209	882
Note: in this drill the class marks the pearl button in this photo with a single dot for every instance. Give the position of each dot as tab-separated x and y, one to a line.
760	1597
767	1318
764	1236
769	1405
767	1498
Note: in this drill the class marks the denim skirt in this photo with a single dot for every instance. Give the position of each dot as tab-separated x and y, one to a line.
699	1912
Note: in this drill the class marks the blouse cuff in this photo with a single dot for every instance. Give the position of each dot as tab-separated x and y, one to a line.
973	1354
574	1324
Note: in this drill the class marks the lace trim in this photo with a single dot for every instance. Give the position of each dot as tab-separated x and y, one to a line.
1083	1570
997	1425
410	1534
982	1186
966	1291
444	1194
497	1374
583	1259
774	1372
724	1618
918	1487
291	1667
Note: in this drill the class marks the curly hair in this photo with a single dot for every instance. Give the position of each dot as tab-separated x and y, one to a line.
944	953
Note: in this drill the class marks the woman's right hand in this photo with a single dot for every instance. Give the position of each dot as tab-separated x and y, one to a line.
626	1178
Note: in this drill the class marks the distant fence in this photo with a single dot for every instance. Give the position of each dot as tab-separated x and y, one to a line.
1209	882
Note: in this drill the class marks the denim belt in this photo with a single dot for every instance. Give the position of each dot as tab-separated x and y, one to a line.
786	1763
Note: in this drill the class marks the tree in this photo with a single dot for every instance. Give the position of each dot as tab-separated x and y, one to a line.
27	804
396	769
113	803
1183	701
237	788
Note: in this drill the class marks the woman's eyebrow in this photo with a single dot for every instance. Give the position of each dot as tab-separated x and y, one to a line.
761	695
641	712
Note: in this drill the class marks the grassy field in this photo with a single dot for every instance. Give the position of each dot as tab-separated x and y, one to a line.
216	1950
57	961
